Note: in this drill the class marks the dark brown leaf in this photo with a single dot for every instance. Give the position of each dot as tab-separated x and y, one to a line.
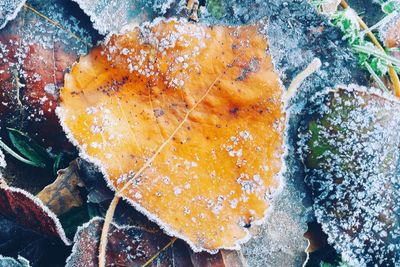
127	246
142	246
63	194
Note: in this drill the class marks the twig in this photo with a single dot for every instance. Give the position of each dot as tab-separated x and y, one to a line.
159	252
296	82
106	228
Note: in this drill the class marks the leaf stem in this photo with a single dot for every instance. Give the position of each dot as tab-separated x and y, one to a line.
392	72
296	82
106	228
159	252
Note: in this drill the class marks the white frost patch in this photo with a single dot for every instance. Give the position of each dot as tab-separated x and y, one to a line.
112	16
9	10
11	262
3	162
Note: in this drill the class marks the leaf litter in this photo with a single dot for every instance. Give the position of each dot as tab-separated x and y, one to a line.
289	67
29	211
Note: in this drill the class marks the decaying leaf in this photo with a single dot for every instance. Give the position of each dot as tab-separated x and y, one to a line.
127	246
186	122
36	48
350	148
63	194
391	36
139	246
27	210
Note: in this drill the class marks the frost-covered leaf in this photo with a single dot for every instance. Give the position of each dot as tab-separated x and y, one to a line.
63	194
17	240
137	245
36	48
28	211
11	262
112	16
201	157
350	146
9	10
127	246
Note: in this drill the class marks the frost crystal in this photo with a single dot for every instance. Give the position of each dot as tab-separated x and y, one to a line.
351	153
112	16
8	10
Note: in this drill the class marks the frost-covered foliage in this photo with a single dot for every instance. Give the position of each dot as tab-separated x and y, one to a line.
8	10
36	48
11	262
350	149
39	30
127	246
112	16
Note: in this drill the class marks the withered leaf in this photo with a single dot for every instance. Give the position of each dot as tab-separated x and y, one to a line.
140	246
28	211
350	147
186	122
63	194
127	246
225	258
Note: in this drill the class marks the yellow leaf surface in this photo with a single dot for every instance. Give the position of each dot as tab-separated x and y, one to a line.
186	122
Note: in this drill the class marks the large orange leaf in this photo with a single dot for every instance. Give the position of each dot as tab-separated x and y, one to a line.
186	122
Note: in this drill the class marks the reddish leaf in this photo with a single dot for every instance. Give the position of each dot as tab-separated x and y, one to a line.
138	246
28	211
34	54
127	246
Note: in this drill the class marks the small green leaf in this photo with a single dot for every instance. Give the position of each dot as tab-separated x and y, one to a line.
74	218
15	155
30	148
